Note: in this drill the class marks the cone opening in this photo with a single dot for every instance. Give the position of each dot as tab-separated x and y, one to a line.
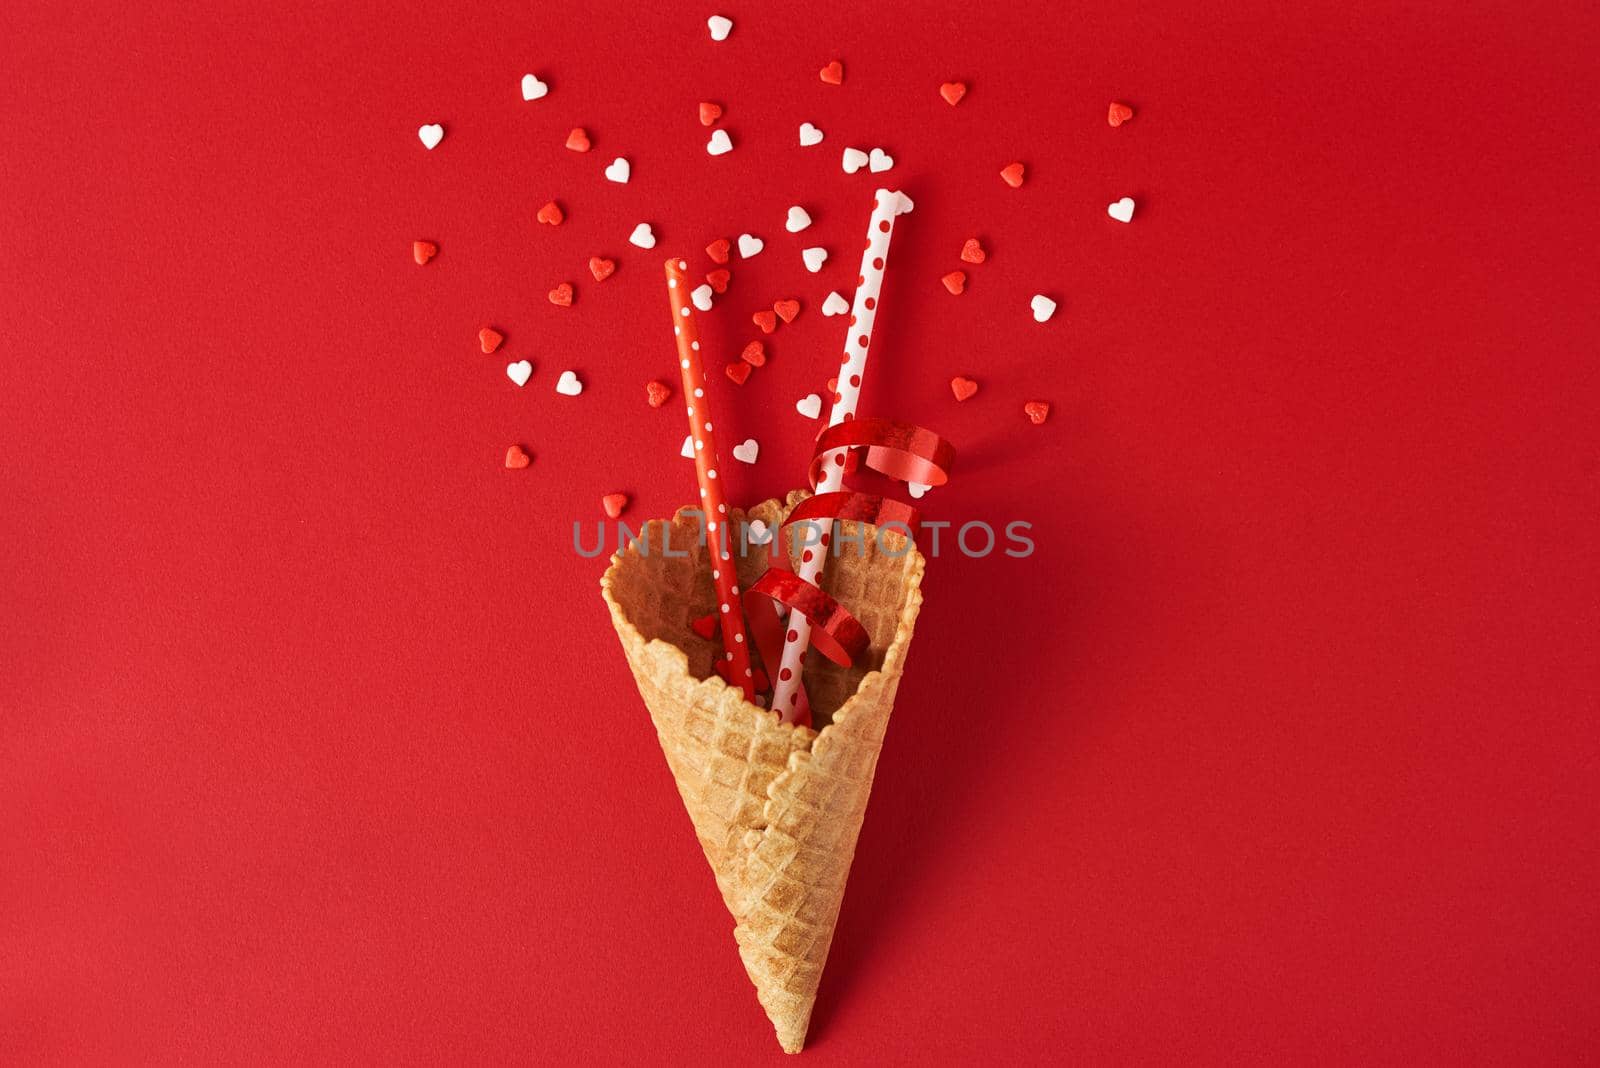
662	583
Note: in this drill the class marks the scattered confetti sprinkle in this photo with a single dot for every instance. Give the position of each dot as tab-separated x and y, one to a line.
739	371
706	626
879	161
601	268
687	452
1043	307
833	73
854	159
701	296
1012	173
955	282
1118	114
754	354
786	309
642	236
720	26
798	220
718	280
972	252
533	88
517	458
430	135
561	295
568	384
917	489
835	304
423	251
718	250
551	214
814	258
746	451
657	393
809	135
519	372
720	144
809	406
578	139
953	92
1038	411
614	504
767	321
1122	210
709	113
750	245
619	171
489	339
963	388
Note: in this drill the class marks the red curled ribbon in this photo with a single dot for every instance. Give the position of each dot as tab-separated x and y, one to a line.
899	450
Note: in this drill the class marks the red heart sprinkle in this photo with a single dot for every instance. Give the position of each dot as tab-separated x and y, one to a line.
833	73
1038	411
516	459
489	339
955	282
578	139
952	92
739	371
657	393
561	295
551	213
833	387
786	309
705	626
765	320
973	252
601	268
963	388
614	503
423	251
718	280
1012	173
754	354
709	113
1118	114
718	250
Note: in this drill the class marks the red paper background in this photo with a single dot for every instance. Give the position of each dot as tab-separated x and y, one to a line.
315	742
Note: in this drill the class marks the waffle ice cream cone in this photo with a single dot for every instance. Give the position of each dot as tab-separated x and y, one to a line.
777	808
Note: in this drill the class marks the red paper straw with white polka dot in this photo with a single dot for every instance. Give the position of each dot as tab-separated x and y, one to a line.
712	501
869	286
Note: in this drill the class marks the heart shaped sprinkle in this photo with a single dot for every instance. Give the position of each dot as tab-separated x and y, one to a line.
701	296
1118	114
1012	173
972	252
657	393
578	139
952	92
561	295
720	144
687	452
879	161
754	354
718	280
757	532
718	250
720	26
517	459
917	489
809	135
814	258
1043	307
423	251
533	88
809	406
1038	411
955	282
601	268
835	305
709	113
963	387
833	73
519	372
620	170
489	339
833	387
746	451
430	135
706	626
797	220
568	384
739	371
749	245
642	236
786	309
614	504
551	214
1122	210
767	321
854	159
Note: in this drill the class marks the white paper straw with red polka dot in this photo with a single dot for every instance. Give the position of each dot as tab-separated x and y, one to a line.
713	503
869	287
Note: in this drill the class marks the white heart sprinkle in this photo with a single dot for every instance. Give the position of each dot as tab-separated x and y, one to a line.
619	170
687	452
879	161
1043	307
642	236
1122	210
758	532
814	258
720	143
917	489
902	204
568	384
533	88
720	26
701	297
809	135
798	220
854	160
746	451
749	245
430	135
835	305
519	372
809	406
